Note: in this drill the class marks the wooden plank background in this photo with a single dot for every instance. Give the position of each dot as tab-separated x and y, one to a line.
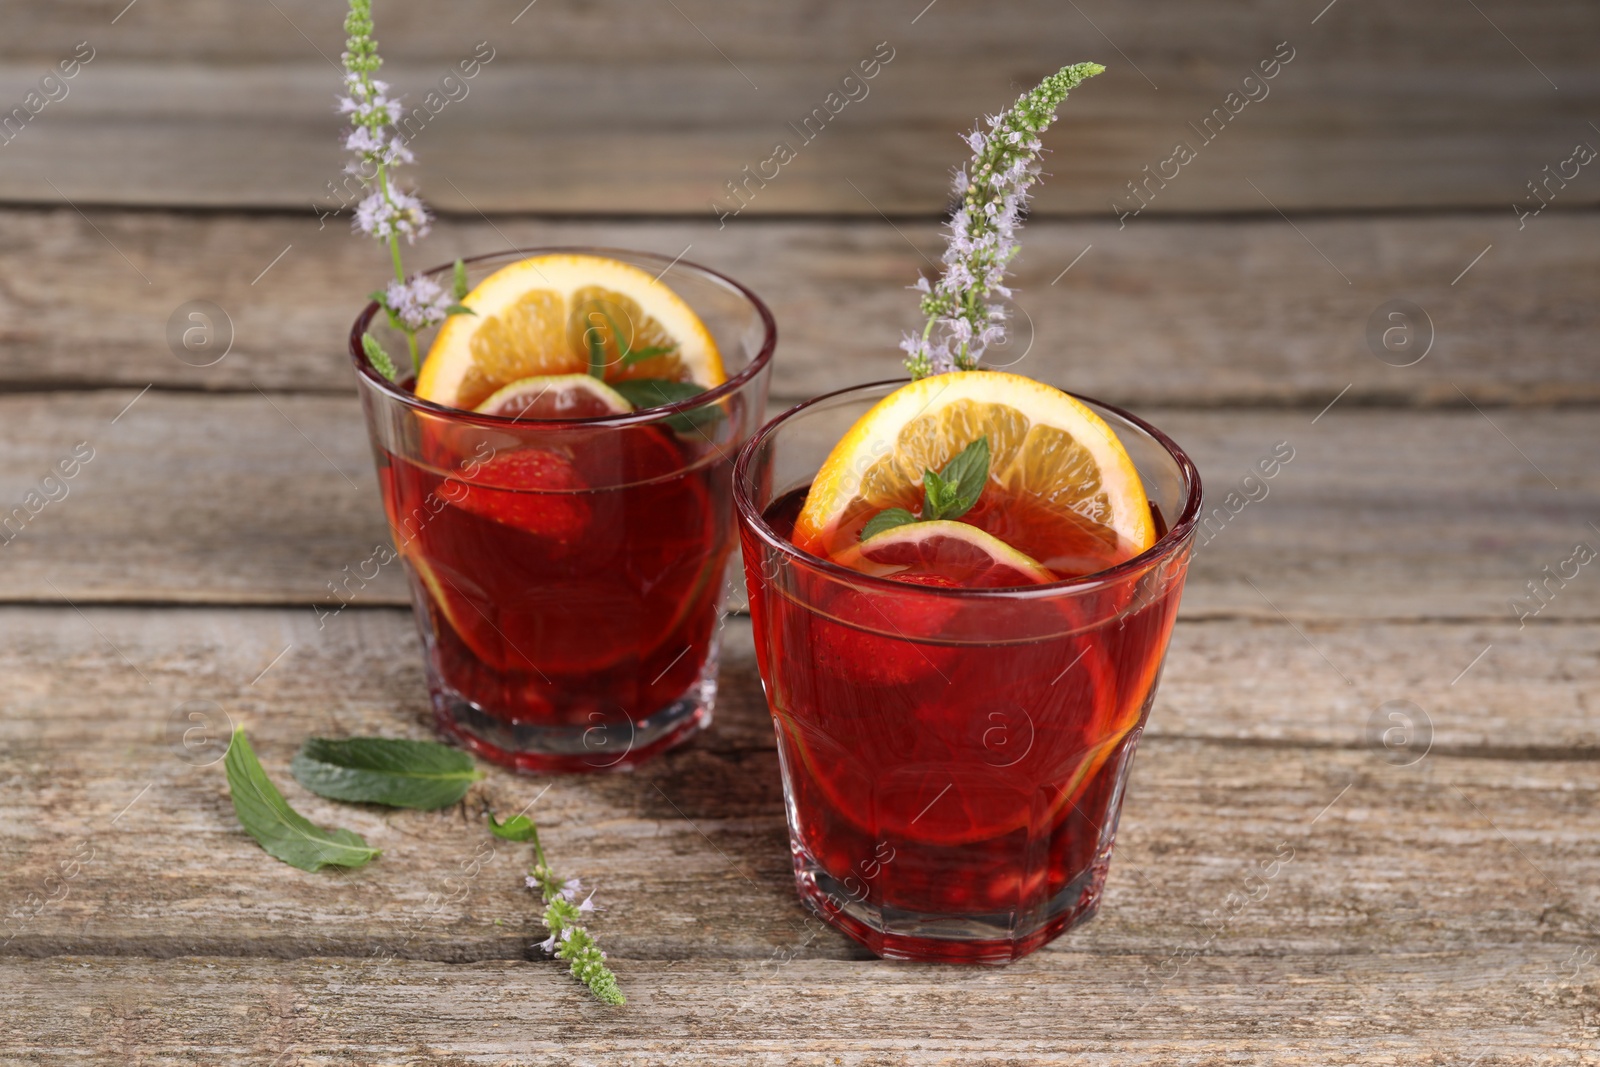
1441	906
259	499
1249	315
584	106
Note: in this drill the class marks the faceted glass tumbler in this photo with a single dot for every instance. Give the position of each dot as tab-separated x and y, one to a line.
569	573
953	760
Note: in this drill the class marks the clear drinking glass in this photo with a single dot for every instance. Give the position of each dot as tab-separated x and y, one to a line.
953	759
569	574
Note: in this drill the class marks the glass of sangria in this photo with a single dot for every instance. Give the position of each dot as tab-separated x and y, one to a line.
955	720
567	551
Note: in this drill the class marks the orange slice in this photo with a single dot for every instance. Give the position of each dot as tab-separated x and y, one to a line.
961	555
536	317
1055	466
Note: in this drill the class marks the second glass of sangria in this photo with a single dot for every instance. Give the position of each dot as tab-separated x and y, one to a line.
962	591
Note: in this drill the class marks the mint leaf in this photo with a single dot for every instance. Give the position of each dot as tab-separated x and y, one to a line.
937	495
377	356
627	355
966	474
461	288
950	494
636	355
887	519
516	828
385	770
282	831
653	392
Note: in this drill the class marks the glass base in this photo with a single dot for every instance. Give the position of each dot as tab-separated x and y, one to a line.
994	939
603	746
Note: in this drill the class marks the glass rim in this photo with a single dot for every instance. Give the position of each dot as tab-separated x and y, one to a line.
1169	543
757	364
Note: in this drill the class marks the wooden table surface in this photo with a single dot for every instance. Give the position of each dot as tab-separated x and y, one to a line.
1442	903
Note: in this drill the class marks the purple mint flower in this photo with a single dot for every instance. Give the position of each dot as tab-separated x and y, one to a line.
362	139
419	303
394	214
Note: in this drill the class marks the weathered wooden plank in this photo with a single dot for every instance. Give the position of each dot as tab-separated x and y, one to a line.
615	31
1167	31
1516	1006
1334	141
181	92
1249	312
258	499
690	852
1226	680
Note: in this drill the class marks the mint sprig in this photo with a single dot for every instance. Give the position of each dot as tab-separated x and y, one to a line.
392	771
564	914
645	393
594	338
946	494
992	191
282	831
654	392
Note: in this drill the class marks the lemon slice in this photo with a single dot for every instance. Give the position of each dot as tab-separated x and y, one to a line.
1054	466
536	318
555	396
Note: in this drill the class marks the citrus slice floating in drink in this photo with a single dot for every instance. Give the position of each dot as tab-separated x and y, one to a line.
547	315
1061	488
944	553
555	396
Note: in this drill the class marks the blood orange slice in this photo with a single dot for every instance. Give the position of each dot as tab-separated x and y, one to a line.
960	554
555	396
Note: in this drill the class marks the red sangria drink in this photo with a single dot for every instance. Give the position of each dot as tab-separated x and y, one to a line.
557	480
962	591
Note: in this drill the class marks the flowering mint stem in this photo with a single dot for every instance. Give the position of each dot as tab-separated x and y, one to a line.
563	914
399	269
982	241
387	212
